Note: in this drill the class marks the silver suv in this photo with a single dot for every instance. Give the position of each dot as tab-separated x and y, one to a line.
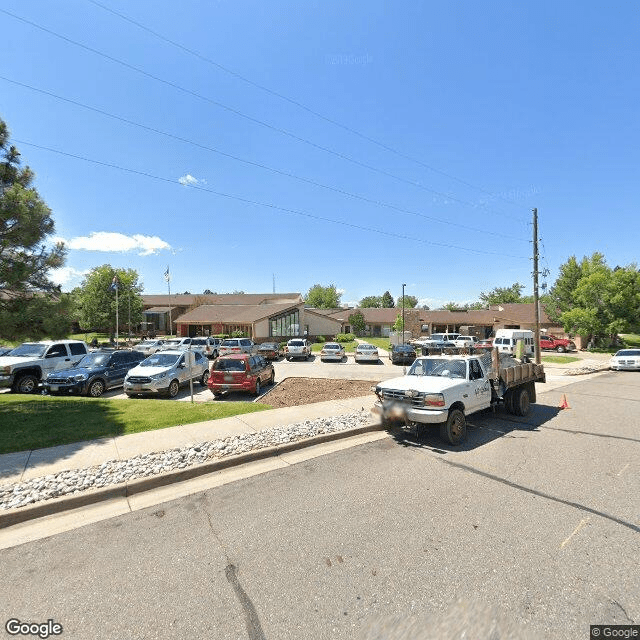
165	372
209	346
297	348
237	345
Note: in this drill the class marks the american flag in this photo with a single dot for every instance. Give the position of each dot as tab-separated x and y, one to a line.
167	277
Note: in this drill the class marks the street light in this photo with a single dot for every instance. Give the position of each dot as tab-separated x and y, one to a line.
403	286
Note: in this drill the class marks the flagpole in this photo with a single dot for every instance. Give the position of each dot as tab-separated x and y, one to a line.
117	287
167	276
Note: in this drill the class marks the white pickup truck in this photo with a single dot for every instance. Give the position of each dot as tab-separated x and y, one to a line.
443	390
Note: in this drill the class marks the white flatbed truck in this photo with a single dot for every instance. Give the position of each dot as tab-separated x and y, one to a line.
444	390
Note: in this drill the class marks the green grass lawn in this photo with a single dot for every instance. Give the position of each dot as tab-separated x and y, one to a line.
33	422
559	359
381	343
631	339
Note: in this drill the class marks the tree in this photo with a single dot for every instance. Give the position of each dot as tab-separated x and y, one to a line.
32	305
399	323
322	297
370	302
208	292
410	302
358	325
504	295
96	300
387	300
594	300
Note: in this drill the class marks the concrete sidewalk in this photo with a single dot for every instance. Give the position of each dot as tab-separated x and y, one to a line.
24	465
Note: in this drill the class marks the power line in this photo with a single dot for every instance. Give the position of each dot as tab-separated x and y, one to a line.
296	212
246	116
253	163
292	101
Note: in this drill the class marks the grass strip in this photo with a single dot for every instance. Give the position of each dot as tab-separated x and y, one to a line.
34	422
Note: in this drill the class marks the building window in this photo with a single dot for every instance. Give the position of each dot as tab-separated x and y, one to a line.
287	324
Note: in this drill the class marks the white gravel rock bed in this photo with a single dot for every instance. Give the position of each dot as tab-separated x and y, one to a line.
111	472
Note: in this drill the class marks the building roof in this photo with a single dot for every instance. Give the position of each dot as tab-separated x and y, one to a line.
157	310
232	313
189	299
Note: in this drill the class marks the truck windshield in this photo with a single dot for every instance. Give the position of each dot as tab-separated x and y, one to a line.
29	349
439	367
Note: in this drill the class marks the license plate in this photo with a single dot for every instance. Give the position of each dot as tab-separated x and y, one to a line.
228	378
136	387
53	387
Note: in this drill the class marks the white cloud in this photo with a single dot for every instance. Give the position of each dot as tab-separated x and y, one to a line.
117	242
432	303
188	180
340	292
67	275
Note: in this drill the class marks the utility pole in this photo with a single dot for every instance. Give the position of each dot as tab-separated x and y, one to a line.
536	299
403	286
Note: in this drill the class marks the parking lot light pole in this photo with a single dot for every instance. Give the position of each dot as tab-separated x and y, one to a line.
403	286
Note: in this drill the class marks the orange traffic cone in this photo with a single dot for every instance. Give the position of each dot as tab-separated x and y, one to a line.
564	404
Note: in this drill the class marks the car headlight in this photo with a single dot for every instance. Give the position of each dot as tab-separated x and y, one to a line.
80	377
5	371
434	399
158	376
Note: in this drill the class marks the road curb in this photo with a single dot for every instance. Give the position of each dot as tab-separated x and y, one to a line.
18	515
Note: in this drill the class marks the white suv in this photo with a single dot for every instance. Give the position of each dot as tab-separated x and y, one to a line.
164	372
297	348
237	345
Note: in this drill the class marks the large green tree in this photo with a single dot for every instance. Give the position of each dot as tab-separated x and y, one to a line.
357	322
370	302
323	297
591	299
410	302
387	300
505	295
30	303
96	299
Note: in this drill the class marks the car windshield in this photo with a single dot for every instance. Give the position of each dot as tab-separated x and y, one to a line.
296	343
160	360
623	353
332	346
365	347
29	349
172	343
230	343
439	367
229	365
147	343
198	341
267	346
94	360
404	348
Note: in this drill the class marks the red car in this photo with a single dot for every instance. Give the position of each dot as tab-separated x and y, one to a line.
240	372
557	344
484	344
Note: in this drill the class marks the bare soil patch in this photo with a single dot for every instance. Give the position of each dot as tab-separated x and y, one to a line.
293	392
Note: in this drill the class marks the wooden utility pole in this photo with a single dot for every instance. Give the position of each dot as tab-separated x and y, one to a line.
536	299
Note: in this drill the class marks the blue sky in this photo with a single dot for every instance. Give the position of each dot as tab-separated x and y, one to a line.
487	109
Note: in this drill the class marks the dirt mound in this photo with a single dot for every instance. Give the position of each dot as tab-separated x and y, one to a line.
293	392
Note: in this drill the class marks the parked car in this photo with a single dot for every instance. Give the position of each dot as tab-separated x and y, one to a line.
626	359
270	350
149	347
24	367
438	347
366	352
5	350
176	343
237	345
297	348
332	351
465	342
94	374
484	344
209	346
402	354
164	372
557	344
240	372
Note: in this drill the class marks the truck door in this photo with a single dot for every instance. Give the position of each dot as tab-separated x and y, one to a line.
480	396
57	357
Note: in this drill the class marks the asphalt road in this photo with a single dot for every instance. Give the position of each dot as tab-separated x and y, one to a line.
535	521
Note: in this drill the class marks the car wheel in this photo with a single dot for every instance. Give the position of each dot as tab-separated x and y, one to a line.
26	384
288	359
454	430
257	391
174	387
521	402
96	389
560	349
204	378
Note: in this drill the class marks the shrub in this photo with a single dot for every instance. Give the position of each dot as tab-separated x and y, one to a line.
283	344
320	339
238	334
345	337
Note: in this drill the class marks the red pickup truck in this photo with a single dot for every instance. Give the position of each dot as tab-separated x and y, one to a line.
556	344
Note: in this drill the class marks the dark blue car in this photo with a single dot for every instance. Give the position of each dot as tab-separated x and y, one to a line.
94	374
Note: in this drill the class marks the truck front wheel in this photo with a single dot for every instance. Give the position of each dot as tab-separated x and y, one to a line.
454	430
26	383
